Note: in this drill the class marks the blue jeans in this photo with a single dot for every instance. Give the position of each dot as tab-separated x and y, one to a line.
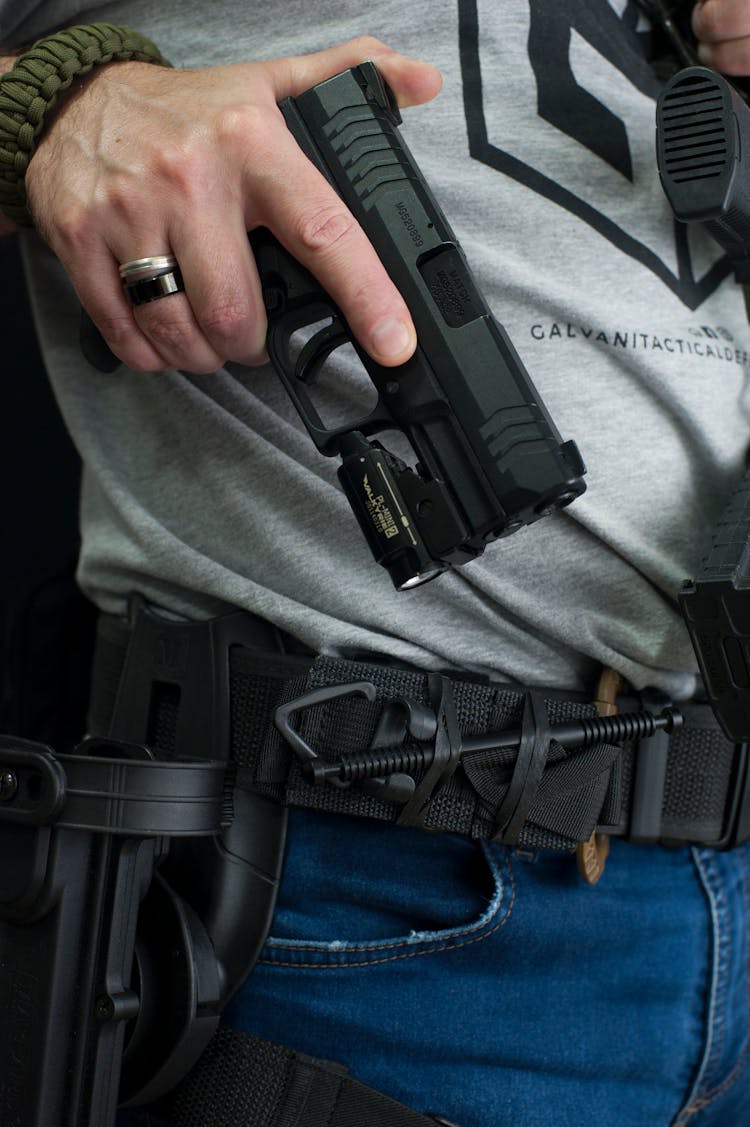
495	988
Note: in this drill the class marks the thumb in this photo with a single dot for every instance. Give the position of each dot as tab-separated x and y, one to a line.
411	81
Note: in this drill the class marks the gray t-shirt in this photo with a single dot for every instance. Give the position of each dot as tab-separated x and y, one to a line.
204	492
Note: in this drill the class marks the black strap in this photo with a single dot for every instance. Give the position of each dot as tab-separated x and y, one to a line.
579	790
243	1080
541	794
463	799
531	758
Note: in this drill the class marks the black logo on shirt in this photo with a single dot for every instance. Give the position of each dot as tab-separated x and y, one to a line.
607	156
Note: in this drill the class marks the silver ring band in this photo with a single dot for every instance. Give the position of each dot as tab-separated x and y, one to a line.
149	279
147	267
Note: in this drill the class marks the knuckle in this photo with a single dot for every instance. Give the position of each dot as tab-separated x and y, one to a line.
171	333
321	229
117	330
225	320
171	165
240	122
73	226
176	165
189	173
125	197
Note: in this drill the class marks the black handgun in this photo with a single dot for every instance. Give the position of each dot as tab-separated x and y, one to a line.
489	458
703	153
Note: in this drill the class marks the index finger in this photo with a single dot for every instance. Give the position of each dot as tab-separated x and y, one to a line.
296	202
411	80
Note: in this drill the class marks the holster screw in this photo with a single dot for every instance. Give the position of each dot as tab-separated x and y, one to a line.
8	784
104	1008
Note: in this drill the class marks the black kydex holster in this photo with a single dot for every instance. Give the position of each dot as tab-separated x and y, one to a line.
136	892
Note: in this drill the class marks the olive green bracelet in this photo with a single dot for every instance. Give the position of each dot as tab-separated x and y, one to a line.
31	89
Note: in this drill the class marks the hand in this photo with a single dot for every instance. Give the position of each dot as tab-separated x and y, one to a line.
146	160
722	28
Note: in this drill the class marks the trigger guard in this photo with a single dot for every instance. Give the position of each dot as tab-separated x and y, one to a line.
317	350
297	375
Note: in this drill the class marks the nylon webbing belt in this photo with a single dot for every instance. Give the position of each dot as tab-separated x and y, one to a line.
572	791
398	744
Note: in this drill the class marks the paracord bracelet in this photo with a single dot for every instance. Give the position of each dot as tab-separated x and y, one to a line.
31	88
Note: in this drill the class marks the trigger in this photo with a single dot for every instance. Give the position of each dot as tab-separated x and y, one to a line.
319	348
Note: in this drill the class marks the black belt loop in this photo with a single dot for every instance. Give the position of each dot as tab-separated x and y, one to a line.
650	756
529	768
447	751
650	759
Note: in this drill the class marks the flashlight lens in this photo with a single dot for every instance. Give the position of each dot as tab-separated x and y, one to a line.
420	578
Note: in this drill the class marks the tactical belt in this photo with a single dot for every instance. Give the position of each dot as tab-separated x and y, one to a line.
448	753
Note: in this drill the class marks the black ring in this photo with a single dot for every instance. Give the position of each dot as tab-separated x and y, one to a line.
152	289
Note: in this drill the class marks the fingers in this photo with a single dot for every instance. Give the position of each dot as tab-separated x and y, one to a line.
219	317
722	28
222	288
318	230
313	223
185	163
717	20
153	337
412	81
101	294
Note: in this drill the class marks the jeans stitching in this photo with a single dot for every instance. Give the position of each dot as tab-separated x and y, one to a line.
724	945
729	1080
400	941
447	945
699	1100
705	863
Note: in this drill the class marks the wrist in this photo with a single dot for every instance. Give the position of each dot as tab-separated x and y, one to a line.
31	89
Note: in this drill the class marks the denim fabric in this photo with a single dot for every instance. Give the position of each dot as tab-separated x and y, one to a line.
495	988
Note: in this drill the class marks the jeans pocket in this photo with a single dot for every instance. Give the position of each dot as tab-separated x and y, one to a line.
356	892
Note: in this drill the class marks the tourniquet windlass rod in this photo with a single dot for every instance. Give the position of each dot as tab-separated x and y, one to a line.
582	733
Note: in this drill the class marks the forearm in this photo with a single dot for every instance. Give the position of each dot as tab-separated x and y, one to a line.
7	227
